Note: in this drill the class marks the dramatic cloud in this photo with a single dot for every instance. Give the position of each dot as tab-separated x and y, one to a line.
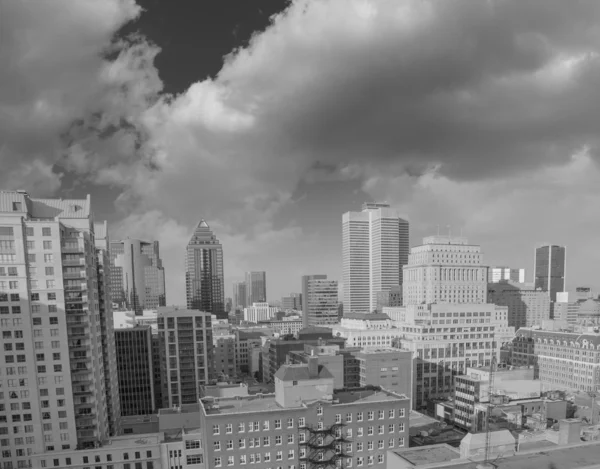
420	99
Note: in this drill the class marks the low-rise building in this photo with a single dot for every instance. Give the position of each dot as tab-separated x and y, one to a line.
305	424
366	321
259	312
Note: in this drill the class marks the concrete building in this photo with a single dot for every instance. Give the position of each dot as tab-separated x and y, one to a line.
321	302
498	274
225	365
527	306
186	350
305	424
53	375
390	368
445	268
135	367
246	342
375	244
259	312
567	361
304	287
205	288
327	356
389	298
550	269
366	321
137	275
256	287
240	294
109	356
585	293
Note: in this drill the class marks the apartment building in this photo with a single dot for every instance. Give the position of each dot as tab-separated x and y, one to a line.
109	356
565	361
225	365
284	326
186	351
50	324
259	312
304	424
321	302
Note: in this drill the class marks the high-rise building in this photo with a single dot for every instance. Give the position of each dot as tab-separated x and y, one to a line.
445	268
53	374
186	349
375	248
304	288
550	269
497	274
256	287
239	295
109	357
137	275
321	302
526	306
136	370
204	272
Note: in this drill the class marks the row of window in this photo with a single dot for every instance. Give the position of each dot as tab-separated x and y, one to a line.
257	459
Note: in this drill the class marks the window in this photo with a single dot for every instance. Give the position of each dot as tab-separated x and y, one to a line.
370	431
401	442
243	459
277	424
217	462
301	422
391	414
338	418
37	321
391	428
230	461
229	444
30	245
45	231
52	308
48	258
290	439
380	444
47	245
12	272
370	460
359	432
50	284
279	455
267	441
319	410
49	270
266	424
15	297
401	427
291	454
359	461
16	310
242	443
370	446
217	445
290	423
359	446
370	415
51	297
381	414
278	439
229	428
13	285
194	459
401	412
381	429
349	417
31	258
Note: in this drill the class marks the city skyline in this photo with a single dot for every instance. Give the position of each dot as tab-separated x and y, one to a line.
273	178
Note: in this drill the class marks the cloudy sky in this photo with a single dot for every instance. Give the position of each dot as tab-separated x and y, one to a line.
270	119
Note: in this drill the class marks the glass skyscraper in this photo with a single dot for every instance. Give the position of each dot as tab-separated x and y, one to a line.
550	269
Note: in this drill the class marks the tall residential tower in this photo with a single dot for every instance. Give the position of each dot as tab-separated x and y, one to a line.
204	275
375	248
256	287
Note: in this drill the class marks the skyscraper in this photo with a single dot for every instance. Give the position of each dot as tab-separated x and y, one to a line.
550	269
497	274
204	272
137	275
445	268
375	247
256	287
54	372
304	287
239	295
321	302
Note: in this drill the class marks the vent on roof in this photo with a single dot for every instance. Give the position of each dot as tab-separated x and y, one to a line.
75	208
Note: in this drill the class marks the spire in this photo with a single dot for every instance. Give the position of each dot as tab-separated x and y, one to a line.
203	224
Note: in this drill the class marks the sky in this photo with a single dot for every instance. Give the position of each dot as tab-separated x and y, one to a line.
270	119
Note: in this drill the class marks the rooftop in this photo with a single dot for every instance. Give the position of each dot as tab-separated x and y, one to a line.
135	440
184	409
300	372
423	455
367	316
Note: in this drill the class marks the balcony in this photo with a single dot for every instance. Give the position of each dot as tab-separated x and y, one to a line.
80	261
82	299
74	275
79	392
82	287
79	348
73	248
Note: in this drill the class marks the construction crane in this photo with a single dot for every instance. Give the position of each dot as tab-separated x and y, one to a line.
486	463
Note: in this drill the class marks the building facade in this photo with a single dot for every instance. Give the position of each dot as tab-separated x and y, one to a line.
445	268
321	302
550	269
53	374
304	287
239	295
305	424
186	351
292	302
497	274
225	364
259	312
256	287
204	276
137	275
375	245
109	356
526	306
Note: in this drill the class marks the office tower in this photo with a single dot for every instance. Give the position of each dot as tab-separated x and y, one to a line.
259	312
445	268
497	274
526	306
53	376
137	275
304	288
109	358
293	301
321	302
136	370
256	287
239	295
186	349
550	269
204	272
375	248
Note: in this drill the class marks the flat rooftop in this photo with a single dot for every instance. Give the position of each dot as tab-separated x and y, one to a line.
429	454
417	419
184	409
265	402
133	440
563	457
